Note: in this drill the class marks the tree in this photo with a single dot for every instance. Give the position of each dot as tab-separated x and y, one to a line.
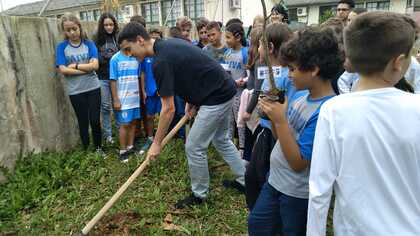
327	14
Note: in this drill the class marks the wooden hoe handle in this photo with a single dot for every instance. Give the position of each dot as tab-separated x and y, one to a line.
130	180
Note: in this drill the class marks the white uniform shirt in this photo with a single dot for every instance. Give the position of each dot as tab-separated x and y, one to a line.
348	81
367	148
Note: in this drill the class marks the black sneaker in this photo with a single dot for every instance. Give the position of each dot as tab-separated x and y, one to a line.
188	202
233	184
124	157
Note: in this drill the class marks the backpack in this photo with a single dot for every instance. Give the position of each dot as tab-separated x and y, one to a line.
244	55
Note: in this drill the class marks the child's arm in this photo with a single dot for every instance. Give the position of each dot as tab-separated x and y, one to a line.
277	114
113	76
93	62
115	99
68	70
62	64
322	178
143	86
89	67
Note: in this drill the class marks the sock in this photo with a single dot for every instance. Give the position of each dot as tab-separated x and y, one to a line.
123	151
129	147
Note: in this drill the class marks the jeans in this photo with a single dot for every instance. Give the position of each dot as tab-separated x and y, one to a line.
106	108
275	212
211	125
87	107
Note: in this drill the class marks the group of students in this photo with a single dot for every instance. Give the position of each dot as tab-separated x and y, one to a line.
347	123
122	84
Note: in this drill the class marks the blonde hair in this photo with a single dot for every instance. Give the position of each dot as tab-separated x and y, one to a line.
258	19
256	34
183	21
74	19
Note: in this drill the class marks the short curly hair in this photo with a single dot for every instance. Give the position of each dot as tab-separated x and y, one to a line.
314	47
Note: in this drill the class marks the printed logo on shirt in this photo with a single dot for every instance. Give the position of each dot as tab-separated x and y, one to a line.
77	58
124	114
263	72
225	66
234	65
125	65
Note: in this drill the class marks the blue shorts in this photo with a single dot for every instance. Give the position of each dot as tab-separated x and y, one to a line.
153	105
127	116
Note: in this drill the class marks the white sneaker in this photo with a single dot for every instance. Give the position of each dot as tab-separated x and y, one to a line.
101	153
109	140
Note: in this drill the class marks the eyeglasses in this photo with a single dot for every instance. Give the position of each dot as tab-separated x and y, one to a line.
343	9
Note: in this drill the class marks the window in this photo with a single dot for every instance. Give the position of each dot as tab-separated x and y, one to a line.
96	14
293	14
377	6
150	12
83	15
90	16
359	5
410	3
87	16
171	12
194	9
326	12
383	6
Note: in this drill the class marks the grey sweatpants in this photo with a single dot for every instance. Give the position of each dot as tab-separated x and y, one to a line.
211	125
233	122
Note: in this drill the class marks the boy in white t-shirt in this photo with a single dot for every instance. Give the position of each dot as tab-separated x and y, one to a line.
366	143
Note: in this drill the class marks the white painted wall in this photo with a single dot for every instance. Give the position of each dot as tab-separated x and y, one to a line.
252	8
313	15
399	6
219	10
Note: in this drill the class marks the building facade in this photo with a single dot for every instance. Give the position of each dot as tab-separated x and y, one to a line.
156	12
311	11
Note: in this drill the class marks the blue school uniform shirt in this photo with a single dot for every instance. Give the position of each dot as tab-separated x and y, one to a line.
302	116
149	79
125	70
67	54
235	61
282	82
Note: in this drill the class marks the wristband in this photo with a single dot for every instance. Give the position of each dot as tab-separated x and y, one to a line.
77	66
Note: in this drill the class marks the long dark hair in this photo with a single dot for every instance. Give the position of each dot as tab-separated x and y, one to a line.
101	34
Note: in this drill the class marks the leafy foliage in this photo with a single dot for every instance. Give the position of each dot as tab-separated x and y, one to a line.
325	16
57	193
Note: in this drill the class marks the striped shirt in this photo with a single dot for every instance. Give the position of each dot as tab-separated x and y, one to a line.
125	70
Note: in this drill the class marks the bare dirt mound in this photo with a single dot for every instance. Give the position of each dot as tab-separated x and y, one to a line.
121	224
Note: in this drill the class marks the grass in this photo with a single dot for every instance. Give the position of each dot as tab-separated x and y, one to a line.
57	193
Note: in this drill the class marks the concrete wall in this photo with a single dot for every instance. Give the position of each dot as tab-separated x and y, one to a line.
35	112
